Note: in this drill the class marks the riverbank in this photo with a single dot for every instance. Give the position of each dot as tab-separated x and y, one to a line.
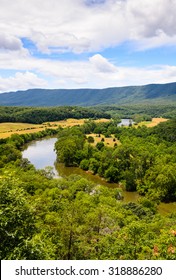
41	154
88	219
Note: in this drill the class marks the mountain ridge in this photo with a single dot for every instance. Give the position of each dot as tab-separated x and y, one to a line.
91	97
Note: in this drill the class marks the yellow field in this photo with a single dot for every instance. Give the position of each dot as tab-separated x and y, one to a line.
72	122
154	122
66	123
7	129
107	141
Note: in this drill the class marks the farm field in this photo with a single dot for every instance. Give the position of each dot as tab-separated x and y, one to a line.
72	122
7	129
154	122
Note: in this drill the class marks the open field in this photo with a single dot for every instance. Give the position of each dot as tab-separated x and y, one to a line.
154	122
72	122
7	129
108	141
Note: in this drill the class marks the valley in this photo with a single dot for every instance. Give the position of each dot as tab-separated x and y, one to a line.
115	184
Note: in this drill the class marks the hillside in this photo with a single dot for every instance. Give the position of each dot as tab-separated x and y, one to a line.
89	97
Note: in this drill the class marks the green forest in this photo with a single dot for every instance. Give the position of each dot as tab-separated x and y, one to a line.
151	94
71	218
39	115
145	161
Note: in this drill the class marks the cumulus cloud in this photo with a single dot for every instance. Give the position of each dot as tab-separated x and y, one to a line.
8	42
97	72
102	64
21	81
87	25
82	26
147	18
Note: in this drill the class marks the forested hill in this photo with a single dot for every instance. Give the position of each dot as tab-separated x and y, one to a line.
90	97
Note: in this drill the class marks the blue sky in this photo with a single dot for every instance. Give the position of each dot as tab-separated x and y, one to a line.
86	43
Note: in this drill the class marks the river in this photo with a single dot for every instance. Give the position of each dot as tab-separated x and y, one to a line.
41	154
126	122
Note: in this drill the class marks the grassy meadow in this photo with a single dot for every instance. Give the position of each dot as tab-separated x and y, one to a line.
154	122
7	129
108	141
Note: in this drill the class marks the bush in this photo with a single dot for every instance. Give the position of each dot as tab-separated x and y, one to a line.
84	164
100	145
90	139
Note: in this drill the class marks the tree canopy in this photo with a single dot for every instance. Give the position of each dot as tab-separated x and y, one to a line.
43	217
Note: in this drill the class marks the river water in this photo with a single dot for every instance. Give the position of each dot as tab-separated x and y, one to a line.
126	122
41	154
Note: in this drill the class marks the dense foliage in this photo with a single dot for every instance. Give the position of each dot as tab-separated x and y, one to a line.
42	217
141	112
144	161
40	115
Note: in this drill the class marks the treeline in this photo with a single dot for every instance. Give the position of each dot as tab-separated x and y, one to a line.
141	112
40	115
138	113
44	218
144	161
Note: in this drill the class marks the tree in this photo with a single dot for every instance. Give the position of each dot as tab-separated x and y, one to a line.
84	164
94	165
69	145
90	139
130	180
162	180
112	174
17	218
100	145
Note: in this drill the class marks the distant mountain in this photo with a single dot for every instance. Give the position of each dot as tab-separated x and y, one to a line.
89	97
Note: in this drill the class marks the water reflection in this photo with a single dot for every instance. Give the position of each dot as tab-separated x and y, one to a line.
41	153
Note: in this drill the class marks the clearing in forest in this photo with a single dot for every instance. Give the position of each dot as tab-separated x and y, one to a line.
108	141
154	122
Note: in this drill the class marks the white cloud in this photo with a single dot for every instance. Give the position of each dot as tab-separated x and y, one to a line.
147	18
82	26
97	72
102	64
146	75
21	81
8	42
76	26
